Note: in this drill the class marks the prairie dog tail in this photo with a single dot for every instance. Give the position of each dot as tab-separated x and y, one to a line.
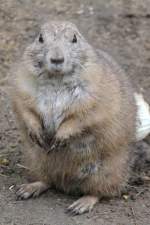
143	117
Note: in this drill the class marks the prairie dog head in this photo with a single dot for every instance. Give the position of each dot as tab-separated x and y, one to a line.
59	49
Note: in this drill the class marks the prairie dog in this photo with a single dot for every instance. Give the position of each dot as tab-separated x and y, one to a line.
77	111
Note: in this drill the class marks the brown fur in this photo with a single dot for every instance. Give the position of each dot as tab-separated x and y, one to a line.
96	130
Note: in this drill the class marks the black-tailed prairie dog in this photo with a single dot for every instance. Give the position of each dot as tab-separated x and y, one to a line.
78	114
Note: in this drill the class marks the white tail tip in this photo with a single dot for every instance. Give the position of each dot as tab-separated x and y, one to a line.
143	117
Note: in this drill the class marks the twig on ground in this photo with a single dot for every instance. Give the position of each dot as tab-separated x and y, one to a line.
3	175
134	216
22	166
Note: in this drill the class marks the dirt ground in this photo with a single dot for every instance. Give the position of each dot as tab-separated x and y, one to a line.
121	27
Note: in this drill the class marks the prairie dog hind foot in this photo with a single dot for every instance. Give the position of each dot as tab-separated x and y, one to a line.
34	189
82	205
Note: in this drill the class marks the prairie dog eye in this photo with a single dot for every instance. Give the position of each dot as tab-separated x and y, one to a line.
74	40
41	40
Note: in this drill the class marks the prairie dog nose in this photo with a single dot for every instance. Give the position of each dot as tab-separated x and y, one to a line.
57	60
57	56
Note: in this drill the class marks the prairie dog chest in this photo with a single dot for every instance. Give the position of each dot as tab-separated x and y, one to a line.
55	100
